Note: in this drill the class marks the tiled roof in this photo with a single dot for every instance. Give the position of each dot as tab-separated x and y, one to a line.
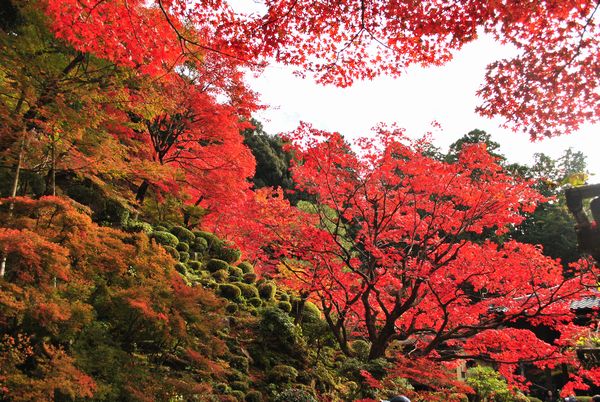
586	303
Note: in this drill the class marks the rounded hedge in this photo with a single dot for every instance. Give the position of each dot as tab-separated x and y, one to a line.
231	308
138	226
248	291
240	363
214	265
183	246
283	373
267	290
181	268
239	395
295	395
230	292
159	228
246	267
285	306
183	256
220	275
165	238
240	386
200	245
250	277
235	272
183	234
311	312
253	396
284	297
255	301
195	265
228	253
172	251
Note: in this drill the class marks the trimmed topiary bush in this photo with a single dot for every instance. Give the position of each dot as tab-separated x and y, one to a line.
165	238
284	297
239	395
246	267
183	234
282	373
248	291
253	396
250	277
360	347
240	363
285	306
240	386
310	312
227	253
214	265
230	292
172	251
159	228
200	245
255	301
267	290
235	272
222	388
181	268
295	395
231	308
195	265
183	256
138	226
220	275
183	246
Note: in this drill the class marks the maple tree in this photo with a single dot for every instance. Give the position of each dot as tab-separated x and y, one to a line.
398	247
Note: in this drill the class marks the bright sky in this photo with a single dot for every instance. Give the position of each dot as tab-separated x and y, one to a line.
444	94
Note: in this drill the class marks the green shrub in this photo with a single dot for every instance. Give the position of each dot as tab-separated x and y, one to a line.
311	312
181	268
235	272
248	291
239	395
222	388
250	277
360	348
253	396
195	265
227	253
183	256
183	234
285	306
246	267
267	290
214	265
230	292
138	226
240	363
255	301
172	251
159	228
282	373
220	275
183	246
231	308
240	386
165	238
295	395
200	245
284	297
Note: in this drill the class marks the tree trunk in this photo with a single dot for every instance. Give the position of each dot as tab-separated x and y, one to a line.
141	192
51	176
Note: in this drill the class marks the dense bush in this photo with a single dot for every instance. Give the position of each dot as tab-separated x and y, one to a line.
360	348
235	272
284	297
138	226
282	373
255	301
248	291
172	251
227	253
183	234
285	306
246	267
220	275
200	245
184	257
183	246
195	265
230	292
214	265
165	238
250	277
231	308
181	268
240	363
253	396
239	395
267	290
295	395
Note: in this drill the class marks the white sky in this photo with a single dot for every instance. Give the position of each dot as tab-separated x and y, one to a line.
445	94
